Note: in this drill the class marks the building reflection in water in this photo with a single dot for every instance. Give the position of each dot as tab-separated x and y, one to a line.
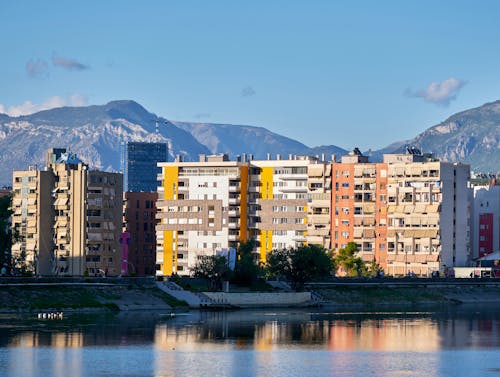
239	330
248	342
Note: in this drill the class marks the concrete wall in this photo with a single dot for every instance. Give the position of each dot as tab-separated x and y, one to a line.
261	299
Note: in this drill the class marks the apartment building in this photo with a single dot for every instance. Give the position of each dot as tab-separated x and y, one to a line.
278	198
139	221
32	220
408	213
215	204
202	207
485	218
358	188
319	189
67	218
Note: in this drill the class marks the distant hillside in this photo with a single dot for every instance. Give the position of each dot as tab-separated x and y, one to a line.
471	136
96	134
235	140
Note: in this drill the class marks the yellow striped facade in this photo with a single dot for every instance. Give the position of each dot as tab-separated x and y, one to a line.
265	200
266	193
170	187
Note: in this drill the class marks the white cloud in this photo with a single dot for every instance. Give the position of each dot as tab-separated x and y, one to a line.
29	107
440	93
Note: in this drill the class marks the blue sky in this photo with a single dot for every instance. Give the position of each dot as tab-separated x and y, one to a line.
350	73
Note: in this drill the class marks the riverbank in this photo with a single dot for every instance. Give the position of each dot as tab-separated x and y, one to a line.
380	296
84	296
100	295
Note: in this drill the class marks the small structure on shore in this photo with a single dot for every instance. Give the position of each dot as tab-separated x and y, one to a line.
56	315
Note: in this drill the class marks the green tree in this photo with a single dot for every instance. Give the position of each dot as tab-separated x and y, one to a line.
247	269
214	268
5	230
374	269
349	262
300	265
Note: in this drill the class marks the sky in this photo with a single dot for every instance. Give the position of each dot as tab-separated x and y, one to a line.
348	73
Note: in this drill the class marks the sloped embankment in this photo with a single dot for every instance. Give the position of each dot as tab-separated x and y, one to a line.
88	297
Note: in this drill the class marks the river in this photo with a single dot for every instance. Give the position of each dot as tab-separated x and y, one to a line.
457	341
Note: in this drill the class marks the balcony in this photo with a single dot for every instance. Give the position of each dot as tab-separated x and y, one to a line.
233	213
254	189
235	188
318	232
300	189
233	237
233	225
233	201
293	177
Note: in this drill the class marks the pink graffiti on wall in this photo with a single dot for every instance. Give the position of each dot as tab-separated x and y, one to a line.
125	241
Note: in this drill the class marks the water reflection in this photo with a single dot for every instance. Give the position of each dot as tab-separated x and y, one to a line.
253	343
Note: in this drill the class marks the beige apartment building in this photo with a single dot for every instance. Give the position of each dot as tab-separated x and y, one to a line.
32	220
319	189
68	218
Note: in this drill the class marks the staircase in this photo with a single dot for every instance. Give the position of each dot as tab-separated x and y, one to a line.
195	300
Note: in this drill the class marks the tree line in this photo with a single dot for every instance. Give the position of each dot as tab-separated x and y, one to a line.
297	266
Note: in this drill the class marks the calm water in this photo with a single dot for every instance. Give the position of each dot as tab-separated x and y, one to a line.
458	342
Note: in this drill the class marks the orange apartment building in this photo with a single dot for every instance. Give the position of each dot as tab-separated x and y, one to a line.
408	213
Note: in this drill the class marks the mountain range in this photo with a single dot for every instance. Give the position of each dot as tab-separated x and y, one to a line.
97	133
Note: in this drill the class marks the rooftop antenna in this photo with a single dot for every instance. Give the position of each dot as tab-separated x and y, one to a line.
157	124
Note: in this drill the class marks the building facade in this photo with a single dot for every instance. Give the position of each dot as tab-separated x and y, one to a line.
214	204
140	168
202	207
408	213
139	215
32	219
485	219
67	219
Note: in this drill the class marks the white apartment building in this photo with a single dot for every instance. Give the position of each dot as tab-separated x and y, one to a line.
215	204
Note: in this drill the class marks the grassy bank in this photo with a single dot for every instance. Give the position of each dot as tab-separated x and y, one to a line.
373	296
88	297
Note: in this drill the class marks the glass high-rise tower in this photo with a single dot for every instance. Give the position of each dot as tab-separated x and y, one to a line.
140	170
